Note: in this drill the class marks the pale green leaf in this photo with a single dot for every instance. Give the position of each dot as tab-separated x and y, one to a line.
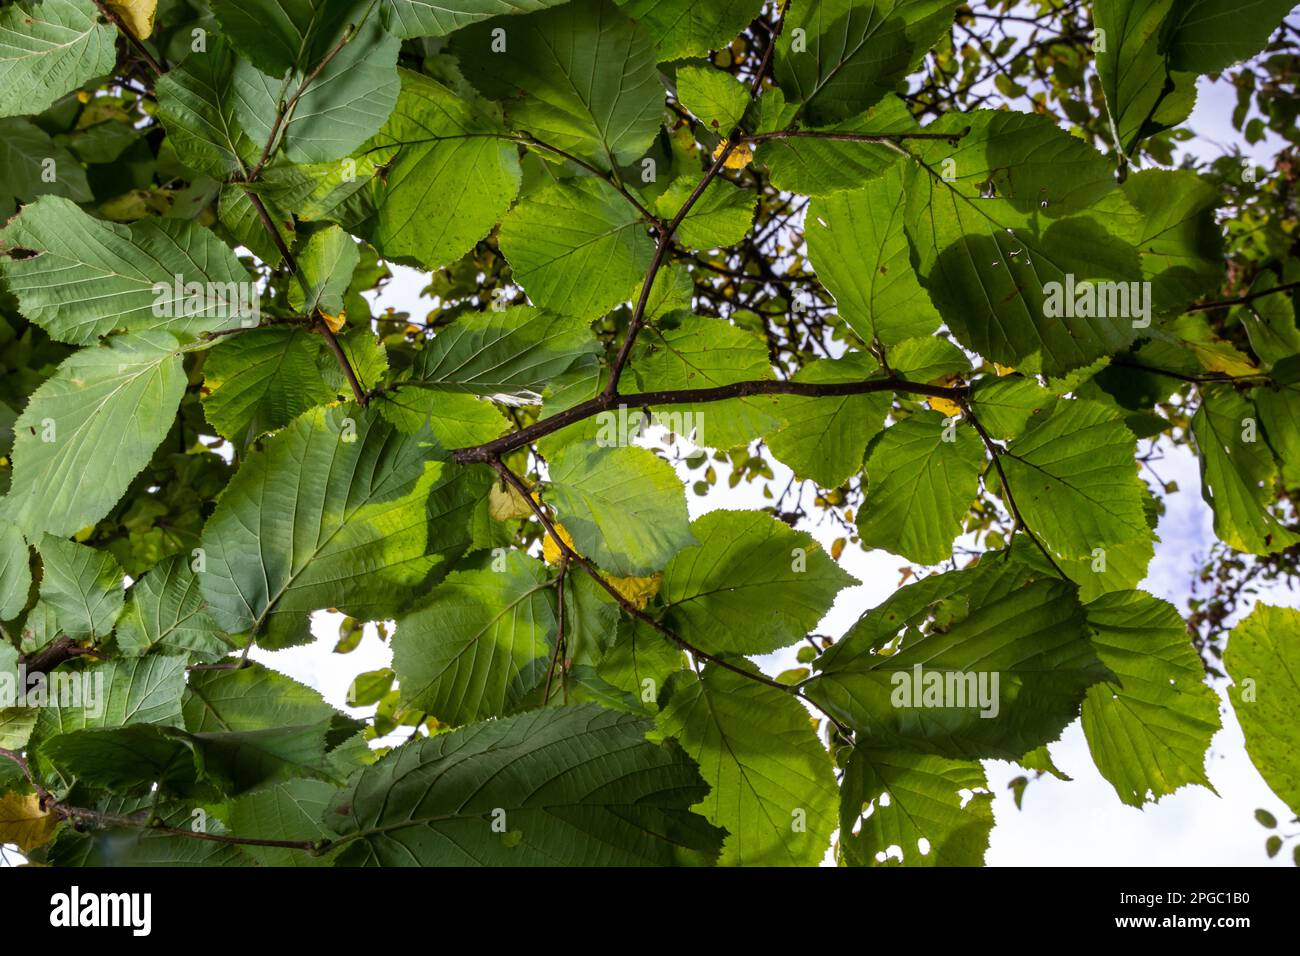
922	475
752	585
773	788
479	644
102	413
625	507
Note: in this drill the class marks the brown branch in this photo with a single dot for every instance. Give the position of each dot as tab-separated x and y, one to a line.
489	451
286	108
358	391
50	804
135	42
880	139
1243	299
666	235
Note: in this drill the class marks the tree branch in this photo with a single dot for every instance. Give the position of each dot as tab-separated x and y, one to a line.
489	451
358	391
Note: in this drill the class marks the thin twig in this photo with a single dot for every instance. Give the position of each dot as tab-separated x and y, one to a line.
136	43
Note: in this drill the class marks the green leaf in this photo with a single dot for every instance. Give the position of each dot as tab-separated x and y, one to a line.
816	166
1263	660
292	810
637	665
82	586
132	759
326	261
836	58
198	103
720	218
683	28
254	698
703	352
436	18
996	639
452	178
773	788
825	438
625	507
576	786
1149	732
49	48
1074	481
337	510
126	846
479	644
922	475
342	107
910	797
165	614
577	247
103	413
1181	244
261	380
27	157
15	571
1142	96
1270	323
1005	406
1207	35
858	248
1005	256
753	584
717	98
1279	414
1237	474
456	421
134	277
512	354
118	693
589	76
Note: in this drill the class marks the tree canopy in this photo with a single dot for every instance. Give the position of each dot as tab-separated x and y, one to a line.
948	276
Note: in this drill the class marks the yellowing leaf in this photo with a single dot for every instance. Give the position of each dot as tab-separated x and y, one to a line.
507	504
335	322
551	552
738	158
945	406
136	14
638	591
24	823
1002	369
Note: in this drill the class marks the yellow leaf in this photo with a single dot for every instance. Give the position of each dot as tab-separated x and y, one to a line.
136	14
506	504
738	158
944	405
551	552
335	322
638	591
947	407
1003	369
22	821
